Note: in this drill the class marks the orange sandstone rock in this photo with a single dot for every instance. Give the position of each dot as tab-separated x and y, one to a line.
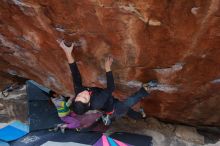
176	42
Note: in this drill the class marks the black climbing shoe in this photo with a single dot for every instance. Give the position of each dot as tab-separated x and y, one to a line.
150	85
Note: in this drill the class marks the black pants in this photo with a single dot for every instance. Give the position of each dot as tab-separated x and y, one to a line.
122	107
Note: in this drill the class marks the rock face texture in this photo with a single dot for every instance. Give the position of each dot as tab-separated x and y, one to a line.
174	41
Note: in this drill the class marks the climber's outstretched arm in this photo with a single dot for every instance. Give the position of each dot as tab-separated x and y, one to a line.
110	80
77	80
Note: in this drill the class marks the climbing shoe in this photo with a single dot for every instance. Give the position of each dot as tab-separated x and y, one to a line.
143	114
150	85
106	119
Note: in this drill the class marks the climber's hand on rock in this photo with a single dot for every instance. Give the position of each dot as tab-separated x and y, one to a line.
66	49
108	63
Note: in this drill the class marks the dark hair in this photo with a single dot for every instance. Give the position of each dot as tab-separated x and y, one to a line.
80	108
51	93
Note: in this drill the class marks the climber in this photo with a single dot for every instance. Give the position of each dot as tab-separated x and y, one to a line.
94	98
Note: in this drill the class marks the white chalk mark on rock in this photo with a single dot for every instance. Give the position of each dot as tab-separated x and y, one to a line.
19	52
161	87
154	22
59	28
132	9
20	3
204	26
166	88
6	43
134	83
195	10
131	84
216	81
26	8
33	39
167	71
12	72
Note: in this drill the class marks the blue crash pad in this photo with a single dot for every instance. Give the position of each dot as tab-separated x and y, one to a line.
13	131
4	143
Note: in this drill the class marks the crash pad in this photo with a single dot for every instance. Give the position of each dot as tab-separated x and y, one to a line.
52	143
43	114
2	143
13	131
37	138
132	138
36	91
